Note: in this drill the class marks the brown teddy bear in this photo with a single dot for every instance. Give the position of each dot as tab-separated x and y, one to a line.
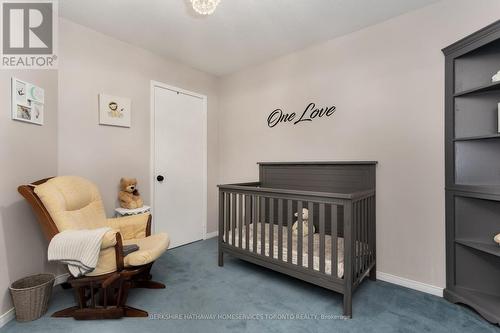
129	195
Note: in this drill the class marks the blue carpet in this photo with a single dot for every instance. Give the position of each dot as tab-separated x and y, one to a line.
197	286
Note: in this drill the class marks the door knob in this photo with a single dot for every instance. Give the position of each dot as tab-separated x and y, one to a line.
160	178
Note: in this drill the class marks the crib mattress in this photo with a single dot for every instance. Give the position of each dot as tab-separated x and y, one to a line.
305	258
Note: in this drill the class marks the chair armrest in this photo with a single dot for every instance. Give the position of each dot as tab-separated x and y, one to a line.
109	239
119	253
133	226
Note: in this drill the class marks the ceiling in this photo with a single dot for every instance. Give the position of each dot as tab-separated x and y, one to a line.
240	33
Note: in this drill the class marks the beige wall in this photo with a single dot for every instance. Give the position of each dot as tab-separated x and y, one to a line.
93	63
27	153
387	82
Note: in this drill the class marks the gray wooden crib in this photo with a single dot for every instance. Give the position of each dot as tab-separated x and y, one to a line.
338	252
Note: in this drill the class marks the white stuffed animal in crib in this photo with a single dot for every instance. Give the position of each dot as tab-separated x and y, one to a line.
496	77
305	223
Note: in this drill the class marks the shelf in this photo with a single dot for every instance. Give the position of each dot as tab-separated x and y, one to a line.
477	162
476	191
487	305
493	249
479	137
476	223
485	88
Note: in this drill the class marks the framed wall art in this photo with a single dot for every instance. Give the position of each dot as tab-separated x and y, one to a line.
114	111
27	102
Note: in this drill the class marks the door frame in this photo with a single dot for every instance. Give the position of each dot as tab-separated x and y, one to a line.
156	84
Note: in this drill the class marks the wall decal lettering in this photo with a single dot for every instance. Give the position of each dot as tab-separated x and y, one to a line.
309	113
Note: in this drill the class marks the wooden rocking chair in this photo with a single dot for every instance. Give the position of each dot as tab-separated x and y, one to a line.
69	202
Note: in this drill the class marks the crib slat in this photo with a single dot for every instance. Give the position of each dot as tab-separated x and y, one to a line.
300	233
354	221
240	220
233	219
270	222
221	217
372	229
362	235
263	226
369	221
365	240
355	238
362	240
369	212
369	237
334	249
322	237
310	237
358	237
256	205
247	222
289	231
349	241
367	232
227	210
280	229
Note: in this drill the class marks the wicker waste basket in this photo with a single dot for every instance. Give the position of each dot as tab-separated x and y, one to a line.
31	295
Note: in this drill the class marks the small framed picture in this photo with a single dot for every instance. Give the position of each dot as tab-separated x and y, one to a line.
27	102
23	113
114	110
19	90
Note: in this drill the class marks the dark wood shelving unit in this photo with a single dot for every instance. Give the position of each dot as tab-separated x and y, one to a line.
472	159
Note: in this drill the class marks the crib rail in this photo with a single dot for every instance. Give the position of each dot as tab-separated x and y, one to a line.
258	222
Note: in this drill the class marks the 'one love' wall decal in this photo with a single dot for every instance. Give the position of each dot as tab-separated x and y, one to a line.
309	114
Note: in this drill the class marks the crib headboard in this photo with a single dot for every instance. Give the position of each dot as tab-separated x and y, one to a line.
336	177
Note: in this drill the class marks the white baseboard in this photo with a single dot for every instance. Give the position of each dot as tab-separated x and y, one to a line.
423	287
7	316
209	235
10	314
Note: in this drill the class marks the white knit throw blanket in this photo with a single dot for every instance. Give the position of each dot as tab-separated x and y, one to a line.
79	249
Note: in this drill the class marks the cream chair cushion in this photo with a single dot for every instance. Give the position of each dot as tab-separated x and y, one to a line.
72	202
150	249
130	227
75	203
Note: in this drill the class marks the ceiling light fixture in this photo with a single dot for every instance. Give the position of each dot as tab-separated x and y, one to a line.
205	7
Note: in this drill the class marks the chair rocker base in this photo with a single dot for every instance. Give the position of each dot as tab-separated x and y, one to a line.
99	313
143	279
148	284
105	296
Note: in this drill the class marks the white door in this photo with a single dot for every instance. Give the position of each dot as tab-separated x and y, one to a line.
179	165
